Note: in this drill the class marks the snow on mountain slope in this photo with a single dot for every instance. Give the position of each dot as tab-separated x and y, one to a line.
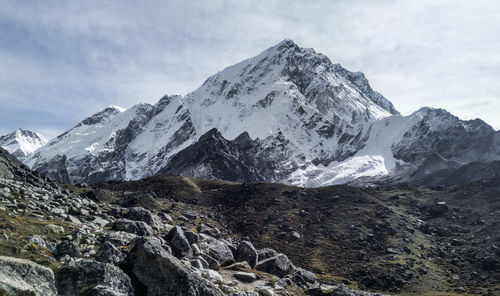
401	145
375	159
165	133
294	92
89	136
21	143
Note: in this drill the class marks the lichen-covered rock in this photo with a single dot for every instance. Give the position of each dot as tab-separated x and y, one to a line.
163	274
278	265
67	248
121	238
74	279
220	252
141	214
108	253
18	276
266	253
135	227
101	291
179	242
247	252
302	276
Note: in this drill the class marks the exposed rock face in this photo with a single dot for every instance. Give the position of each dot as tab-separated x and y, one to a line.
19	276
74	279
214	157
163	274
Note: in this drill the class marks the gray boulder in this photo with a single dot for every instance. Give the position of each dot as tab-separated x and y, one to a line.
247	252
301	276
179	242
211	231
74	279
192	237
38	240
135	227
101	291
121	238
67	248
108	253
246	277
266	253
18	276
438	208
141	214
163	274
278	265
220	252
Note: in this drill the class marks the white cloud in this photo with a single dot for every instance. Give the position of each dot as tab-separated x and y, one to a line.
68	60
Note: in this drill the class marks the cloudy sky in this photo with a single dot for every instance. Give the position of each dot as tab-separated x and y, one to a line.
61	61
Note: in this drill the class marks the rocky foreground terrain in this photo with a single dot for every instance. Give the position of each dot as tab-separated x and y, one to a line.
81	242
171	235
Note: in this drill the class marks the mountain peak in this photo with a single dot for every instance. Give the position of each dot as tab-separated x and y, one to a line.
286	43
115	107
21	143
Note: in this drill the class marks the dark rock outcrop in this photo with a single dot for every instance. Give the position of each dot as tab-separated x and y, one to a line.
163	274
75	279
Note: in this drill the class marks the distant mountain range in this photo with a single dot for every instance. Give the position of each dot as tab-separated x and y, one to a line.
286	115
21	143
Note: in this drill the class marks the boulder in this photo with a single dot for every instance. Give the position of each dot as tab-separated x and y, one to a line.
278	265
247	277
438	208
74	279
301	276
136	227
100	291
191	215
211	231
266	253
141	214
19	277
108	253
211	275
121	238
179	242
247	252
163	274
220	252
38	240
191	236
166	217
67	248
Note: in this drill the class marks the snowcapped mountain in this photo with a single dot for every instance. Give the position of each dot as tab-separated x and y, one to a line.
21	143
288	114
